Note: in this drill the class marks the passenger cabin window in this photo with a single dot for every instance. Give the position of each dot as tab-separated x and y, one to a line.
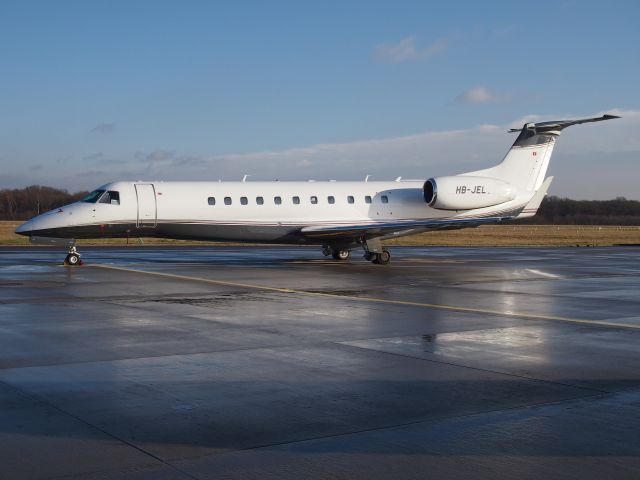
93	196
277	200
110	197
227	200
243	201
296	200
384	199
211	200
331	200
314	199
350	199
260	200
367	199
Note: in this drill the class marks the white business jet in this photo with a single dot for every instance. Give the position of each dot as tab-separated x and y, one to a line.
339	216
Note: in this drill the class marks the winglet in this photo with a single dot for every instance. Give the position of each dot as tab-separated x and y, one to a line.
531	208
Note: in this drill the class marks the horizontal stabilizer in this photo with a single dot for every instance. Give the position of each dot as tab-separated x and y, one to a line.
531	208
560	124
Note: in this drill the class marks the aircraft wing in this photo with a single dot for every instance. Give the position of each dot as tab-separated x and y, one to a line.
393	228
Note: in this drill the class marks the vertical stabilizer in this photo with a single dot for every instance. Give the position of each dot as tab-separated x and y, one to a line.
526	162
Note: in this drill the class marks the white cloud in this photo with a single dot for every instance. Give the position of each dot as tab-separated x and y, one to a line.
405	50
599	160
479	95
159	156
104	128
93	157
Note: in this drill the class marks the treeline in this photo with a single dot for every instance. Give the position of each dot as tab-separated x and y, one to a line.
24	203
564	211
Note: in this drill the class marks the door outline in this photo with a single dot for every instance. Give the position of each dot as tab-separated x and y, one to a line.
146	221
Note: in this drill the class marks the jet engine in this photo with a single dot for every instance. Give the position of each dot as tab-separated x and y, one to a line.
466	192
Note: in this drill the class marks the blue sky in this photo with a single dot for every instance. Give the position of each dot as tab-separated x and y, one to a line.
96	91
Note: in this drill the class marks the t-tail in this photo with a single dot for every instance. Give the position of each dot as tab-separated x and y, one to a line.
526	162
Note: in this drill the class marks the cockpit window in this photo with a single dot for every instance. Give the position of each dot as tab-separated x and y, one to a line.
93	196
111	197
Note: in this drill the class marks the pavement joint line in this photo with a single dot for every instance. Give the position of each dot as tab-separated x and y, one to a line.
436	306
470	367
437	419
54	406
168	355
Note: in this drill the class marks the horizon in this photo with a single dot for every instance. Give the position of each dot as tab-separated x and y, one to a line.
95	93
78	192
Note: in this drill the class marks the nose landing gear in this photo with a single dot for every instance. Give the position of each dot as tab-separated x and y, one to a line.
73	257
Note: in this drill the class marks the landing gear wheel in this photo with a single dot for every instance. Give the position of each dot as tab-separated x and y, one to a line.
73	259
382	258
341	254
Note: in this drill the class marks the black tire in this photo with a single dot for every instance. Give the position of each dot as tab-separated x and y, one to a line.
72	259
341	255
382	258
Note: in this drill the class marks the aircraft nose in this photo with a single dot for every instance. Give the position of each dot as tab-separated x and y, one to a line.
45	221
25	228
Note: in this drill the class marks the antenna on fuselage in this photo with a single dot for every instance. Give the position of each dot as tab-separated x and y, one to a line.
366	179
244	179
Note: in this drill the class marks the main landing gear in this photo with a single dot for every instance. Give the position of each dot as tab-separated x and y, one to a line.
336	253
381	258
374	252
73	257
341	254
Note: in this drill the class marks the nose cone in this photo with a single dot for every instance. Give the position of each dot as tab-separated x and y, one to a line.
25	228
47	225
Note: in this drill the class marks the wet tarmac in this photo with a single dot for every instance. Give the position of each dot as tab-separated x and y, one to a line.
275	363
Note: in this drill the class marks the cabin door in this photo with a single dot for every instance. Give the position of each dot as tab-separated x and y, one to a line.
147	210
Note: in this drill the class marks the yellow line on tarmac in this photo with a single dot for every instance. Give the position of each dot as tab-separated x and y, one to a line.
455	308
201	280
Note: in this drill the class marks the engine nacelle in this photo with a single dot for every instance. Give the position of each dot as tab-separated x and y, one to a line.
464	193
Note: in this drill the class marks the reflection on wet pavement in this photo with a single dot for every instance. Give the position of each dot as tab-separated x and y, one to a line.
277	363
